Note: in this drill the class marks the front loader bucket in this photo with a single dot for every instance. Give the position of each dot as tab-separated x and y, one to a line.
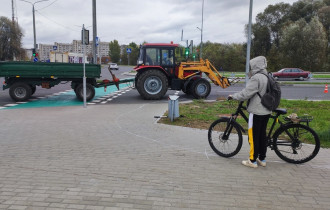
224	82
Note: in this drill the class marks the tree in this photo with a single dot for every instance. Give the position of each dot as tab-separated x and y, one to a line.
324	17
277	20
261	43
114	51
272	19
10	40
133	55
306	9
304	45
226	57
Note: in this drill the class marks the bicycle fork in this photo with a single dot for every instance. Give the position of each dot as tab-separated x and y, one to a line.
229	128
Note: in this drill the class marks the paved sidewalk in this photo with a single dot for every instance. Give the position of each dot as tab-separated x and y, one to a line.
116	157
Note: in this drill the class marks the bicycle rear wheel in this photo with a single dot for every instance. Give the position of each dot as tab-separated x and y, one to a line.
225	137
296	143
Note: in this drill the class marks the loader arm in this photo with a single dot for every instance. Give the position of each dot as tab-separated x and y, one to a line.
207	68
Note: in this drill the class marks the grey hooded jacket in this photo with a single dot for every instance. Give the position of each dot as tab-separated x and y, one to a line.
257	83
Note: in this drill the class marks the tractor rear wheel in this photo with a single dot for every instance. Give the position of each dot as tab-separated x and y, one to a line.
200	88
152	84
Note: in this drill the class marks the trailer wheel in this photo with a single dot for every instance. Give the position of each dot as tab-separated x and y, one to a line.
20	91
152	84
33	88
200	88
90	92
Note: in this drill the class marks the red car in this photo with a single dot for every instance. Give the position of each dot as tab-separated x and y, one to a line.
292	73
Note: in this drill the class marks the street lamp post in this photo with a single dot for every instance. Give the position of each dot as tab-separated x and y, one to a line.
34	23
201	29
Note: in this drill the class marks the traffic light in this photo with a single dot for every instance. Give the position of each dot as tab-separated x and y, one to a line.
186	51
34	52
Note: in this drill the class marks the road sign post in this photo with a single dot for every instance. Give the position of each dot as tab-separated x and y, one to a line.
128	50
85	40
97	41
55	48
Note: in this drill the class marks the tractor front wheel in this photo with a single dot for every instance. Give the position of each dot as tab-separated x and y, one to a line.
200	88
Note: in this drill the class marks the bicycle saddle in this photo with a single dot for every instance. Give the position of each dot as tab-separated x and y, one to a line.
280	111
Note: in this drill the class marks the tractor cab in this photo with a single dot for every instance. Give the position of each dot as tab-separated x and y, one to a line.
157	55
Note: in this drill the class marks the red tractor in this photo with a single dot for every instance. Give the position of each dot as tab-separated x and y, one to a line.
158	70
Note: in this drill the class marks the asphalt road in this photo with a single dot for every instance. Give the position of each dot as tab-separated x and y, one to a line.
294	91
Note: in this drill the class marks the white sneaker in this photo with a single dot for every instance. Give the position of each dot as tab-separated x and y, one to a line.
248	163
261	162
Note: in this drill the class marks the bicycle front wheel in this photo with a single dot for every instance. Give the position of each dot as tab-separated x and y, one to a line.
225	137
296	143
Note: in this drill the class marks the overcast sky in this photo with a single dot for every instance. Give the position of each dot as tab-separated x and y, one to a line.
136	21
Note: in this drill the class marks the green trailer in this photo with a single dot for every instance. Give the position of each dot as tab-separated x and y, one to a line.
22	78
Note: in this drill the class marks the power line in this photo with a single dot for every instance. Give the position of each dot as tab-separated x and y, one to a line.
48	5
67	27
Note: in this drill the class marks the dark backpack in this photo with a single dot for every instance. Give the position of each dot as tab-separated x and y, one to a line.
272	98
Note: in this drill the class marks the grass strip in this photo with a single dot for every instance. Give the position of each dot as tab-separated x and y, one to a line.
200	114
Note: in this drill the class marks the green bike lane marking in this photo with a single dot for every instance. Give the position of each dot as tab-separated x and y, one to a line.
66	98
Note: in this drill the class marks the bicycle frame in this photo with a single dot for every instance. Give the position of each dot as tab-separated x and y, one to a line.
239	111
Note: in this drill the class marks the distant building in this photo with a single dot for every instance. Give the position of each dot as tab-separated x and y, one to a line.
47	50
44	50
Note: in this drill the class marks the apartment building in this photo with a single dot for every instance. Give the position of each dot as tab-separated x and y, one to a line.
44	50
75	47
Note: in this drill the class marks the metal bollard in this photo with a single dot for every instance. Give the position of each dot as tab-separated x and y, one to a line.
173	107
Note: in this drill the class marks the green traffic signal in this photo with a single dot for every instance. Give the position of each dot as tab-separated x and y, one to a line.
187	51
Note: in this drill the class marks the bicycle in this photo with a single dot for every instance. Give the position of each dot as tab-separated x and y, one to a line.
292	141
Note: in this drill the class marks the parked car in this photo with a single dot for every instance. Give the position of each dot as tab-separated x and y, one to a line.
113	66
292	73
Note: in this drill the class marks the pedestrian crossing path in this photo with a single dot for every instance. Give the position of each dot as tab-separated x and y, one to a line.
68	98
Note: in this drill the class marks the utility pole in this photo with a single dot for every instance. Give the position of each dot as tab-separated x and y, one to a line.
12	11
94	33
34	29
13	21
